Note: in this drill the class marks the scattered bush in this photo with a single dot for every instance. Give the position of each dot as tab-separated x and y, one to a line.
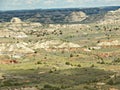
79	65
50	87
71	55
47	86
92	65
51	71
39	62
67	63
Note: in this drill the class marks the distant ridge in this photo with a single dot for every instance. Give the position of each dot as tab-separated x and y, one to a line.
56	15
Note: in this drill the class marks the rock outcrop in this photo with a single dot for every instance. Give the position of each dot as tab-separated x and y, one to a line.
16	20
53	44
111	17
21	48
76	17
68	45
110	43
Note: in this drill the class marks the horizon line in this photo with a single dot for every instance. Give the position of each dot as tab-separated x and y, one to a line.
61	8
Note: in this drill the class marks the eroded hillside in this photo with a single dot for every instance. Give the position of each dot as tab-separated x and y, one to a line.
35	56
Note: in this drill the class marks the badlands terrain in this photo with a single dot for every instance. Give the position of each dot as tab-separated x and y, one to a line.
60	56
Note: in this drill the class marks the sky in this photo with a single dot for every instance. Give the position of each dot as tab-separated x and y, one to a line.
48	4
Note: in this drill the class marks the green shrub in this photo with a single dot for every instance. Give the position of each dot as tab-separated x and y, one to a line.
47	86
39	62
51	71
50	87
79	65
67	63
71	55
92	65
